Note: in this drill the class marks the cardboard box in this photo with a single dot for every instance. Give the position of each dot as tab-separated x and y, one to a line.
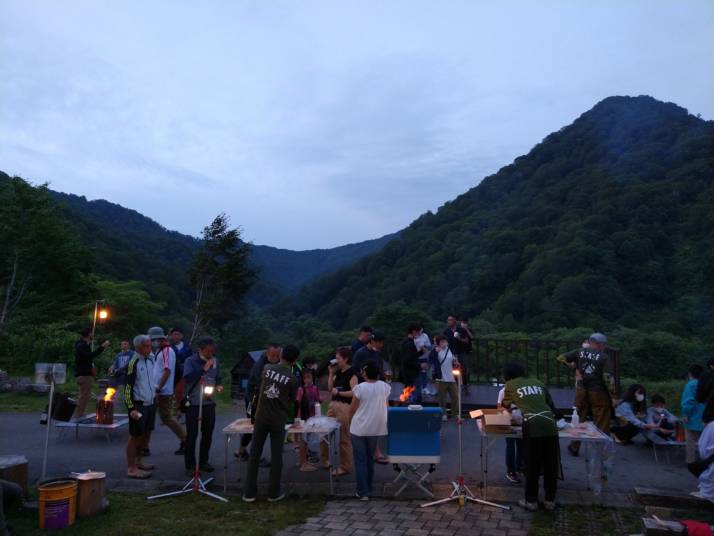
494	420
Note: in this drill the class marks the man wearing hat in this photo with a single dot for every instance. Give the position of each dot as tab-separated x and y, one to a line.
595	392
164	371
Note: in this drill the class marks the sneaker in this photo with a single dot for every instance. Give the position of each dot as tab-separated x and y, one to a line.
206	467
513	478
362	497
248	499
146	466
307	467
278	498
549	505
139	474
530	506
181	450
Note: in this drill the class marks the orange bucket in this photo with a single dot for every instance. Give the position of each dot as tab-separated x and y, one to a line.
58	503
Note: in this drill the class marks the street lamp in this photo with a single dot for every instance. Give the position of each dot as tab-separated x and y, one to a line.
101	313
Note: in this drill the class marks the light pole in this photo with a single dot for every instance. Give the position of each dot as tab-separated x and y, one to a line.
99	313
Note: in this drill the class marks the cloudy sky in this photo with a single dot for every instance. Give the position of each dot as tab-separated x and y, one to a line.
314	124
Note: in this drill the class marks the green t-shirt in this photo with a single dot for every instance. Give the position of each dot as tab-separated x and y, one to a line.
533	399
276	395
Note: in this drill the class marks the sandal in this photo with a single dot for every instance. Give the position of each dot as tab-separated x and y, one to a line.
339	472
146	466
141	475
383	460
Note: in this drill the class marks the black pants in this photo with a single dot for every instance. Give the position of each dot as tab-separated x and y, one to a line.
625	432
261	432
207	425
541	456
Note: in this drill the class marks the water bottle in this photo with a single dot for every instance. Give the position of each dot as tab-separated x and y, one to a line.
318	409
575	419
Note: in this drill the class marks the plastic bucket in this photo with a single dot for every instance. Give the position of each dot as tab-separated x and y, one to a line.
58	503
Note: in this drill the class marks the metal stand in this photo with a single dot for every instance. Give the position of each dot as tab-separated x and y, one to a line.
49	421
461	491
195	484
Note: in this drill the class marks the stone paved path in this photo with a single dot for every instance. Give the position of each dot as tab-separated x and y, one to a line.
406	518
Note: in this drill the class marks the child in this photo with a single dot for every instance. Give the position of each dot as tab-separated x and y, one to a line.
514	445
657	414
692	412
307	396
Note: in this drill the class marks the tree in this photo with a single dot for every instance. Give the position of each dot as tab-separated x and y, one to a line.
220	275
42	265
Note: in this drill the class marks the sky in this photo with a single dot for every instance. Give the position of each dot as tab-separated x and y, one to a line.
319	123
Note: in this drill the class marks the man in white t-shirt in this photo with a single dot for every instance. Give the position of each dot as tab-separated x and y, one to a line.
369	422
442	360
164	370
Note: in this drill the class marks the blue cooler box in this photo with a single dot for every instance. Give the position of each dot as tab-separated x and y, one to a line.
414	435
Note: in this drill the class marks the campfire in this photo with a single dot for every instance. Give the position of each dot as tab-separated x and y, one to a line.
406	393
105	407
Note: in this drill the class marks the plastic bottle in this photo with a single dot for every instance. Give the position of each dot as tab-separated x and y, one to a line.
575	419
318	409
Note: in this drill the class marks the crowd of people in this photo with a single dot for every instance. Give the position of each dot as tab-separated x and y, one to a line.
161	375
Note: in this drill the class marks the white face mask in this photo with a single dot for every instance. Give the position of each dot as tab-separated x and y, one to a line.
640	398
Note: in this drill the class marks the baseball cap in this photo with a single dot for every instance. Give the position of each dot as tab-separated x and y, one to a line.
598	337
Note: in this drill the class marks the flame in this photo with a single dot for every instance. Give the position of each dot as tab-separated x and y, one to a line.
109	394
406	393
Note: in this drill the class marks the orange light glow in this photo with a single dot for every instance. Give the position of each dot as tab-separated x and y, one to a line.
109	394
406	393
457	372
103	314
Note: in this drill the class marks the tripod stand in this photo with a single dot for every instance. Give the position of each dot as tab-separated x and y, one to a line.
461	491
195	484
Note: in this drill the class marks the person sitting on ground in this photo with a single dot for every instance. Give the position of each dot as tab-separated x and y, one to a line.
369	423
631	415
139	396
658	414
540	434
692	412
276	400
307	396
341	382
443	361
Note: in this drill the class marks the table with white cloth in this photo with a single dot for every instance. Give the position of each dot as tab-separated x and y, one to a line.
599	448
328	432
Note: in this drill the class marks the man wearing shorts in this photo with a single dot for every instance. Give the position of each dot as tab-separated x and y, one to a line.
139	396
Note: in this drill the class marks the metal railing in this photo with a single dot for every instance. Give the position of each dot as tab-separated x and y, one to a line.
537	356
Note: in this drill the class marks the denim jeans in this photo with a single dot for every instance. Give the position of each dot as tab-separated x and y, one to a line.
514	448
363	448
277	438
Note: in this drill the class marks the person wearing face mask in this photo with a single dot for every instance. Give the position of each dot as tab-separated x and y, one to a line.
631	414
442	361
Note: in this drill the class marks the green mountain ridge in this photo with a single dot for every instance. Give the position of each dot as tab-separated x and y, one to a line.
608	221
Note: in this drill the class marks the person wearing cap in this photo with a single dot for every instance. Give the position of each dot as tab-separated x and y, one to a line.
364	336
203	365
164	372
595	392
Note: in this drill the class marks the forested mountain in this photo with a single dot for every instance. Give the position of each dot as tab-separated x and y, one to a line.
127	245
608	221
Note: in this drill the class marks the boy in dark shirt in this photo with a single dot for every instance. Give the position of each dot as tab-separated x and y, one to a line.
276	401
